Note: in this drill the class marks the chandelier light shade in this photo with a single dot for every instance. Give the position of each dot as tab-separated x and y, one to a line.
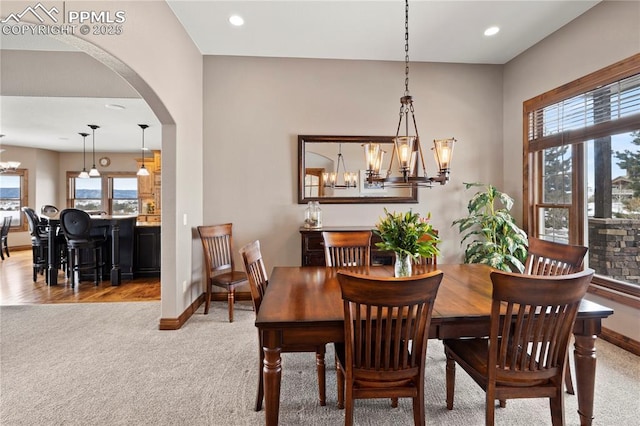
332	179
94	171
143	170
84	174
407	149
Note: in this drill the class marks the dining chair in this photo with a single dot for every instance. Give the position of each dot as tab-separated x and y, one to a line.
258	282
551	258
351	248
217	244
4	236
537	313
48	210
39	241
386	326
82	237
424	261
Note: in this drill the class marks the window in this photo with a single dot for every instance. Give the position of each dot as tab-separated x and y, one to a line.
582	170
124	195
13	196
87	194
114	193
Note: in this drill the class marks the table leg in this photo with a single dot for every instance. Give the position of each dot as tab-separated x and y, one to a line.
52	269
116	275
272	372
585	361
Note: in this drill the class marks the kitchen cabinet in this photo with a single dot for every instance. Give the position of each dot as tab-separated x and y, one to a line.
147	251
150	187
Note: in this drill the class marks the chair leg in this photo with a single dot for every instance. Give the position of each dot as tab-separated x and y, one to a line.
418	408
557	409
568	382
207	301
231	300
450	380
394	402
320	366
348	409
490	408
340	381
260	396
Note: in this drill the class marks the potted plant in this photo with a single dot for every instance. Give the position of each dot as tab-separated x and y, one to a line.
409	236
494	237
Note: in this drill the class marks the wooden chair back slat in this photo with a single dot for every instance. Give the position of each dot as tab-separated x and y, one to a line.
386	324
552	258
256	272
347	248
539	317
217	243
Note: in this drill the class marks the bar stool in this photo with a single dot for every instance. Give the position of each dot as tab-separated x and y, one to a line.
76	227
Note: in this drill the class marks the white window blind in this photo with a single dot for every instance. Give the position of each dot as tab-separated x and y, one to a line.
614	106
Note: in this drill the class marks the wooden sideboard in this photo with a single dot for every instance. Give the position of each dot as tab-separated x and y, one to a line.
313	245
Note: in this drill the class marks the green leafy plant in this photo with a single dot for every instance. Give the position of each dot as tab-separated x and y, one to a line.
494	237
407	234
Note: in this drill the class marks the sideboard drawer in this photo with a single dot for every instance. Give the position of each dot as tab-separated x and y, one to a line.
314	242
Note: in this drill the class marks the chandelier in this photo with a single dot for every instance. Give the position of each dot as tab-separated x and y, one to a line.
332	179
8	166
407	150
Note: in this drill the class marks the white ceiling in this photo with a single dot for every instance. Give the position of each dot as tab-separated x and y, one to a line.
440	31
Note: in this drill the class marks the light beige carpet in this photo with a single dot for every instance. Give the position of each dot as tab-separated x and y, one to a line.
108	364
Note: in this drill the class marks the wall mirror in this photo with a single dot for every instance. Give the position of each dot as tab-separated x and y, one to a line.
331	170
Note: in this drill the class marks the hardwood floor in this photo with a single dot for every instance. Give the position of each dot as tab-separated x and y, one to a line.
17	286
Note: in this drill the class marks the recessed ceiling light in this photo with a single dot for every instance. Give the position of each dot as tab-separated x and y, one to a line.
236	20
492	31
115	106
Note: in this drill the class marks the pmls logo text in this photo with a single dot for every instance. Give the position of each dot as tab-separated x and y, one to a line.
102	22
93	17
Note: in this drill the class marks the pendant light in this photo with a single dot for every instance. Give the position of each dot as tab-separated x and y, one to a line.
143	170
83	174
349	179
407	148
94	171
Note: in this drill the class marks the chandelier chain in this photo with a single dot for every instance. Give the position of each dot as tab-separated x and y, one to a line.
406	48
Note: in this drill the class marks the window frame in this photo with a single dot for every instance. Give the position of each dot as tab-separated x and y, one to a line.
24	197
532	163
106	180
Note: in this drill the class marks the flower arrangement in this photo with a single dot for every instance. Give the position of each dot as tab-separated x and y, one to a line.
408	235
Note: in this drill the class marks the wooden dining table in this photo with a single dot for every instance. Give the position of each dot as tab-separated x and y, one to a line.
303	305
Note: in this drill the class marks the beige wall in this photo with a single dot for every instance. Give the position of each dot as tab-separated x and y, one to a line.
602	36
256	107
160	61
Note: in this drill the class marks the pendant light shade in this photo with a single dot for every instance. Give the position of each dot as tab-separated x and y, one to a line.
94	171
83	174
143	170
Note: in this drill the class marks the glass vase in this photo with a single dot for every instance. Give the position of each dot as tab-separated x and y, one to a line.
402	267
